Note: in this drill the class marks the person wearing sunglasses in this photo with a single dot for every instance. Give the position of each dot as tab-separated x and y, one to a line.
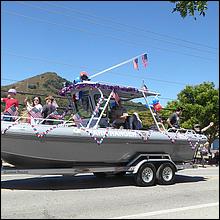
34	109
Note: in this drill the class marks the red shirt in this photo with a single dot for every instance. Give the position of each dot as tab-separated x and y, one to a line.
10	102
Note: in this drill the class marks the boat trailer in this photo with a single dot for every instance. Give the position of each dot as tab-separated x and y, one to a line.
146	168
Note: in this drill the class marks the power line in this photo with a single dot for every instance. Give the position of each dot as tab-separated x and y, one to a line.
37	94
115	38
100	81
118	74
61	97
119	29
39	59
130	26
158	80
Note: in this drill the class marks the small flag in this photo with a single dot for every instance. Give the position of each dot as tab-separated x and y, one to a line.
77	119
55	115
54	103
135	62
144	59
144	88
116	96
12	111
35	113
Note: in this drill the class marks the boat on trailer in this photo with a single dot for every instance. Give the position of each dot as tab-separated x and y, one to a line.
92	142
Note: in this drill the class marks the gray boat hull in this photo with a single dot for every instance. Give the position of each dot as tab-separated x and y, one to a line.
62	146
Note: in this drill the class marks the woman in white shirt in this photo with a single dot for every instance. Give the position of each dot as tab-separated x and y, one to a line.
34	110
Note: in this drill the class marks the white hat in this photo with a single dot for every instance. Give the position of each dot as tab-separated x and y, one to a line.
12	91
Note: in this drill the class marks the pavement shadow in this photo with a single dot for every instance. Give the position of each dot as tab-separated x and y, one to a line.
67	182
180	178
80	182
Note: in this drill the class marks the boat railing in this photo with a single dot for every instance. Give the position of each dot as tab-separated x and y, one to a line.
159	125
30	120
181	130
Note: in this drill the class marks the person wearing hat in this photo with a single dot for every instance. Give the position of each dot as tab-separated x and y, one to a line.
11	104
84	76
118	115
48	108
198	130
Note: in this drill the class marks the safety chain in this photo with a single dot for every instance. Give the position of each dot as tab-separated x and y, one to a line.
43	134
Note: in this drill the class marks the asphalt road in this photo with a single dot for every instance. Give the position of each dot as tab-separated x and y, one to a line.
195	195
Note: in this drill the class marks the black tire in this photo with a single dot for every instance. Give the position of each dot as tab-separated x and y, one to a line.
146	175
166	174
100	174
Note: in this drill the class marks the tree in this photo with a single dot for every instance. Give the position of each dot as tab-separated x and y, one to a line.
190	7
200	105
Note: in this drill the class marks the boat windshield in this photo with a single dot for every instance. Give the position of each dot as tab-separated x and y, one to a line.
96	100
83	105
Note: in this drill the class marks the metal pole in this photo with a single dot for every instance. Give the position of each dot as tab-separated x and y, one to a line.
103	109
115	66
151	112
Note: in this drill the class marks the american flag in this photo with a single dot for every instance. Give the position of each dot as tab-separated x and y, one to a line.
35	113
116	96
144	88
135	63
144	59
56	115
12	111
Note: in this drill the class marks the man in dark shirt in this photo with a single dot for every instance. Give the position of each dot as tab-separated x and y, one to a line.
118	115
173	120
48	108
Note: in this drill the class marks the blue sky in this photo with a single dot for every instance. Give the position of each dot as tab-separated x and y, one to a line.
68	37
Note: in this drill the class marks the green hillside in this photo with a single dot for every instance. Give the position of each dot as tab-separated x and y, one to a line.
50	83
45	84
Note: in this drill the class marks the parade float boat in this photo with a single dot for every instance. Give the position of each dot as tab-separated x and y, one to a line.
91	141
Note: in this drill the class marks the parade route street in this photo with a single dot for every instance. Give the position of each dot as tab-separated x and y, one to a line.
195	195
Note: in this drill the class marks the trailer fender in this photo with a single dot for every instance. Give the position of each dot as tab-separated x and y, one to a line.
136	168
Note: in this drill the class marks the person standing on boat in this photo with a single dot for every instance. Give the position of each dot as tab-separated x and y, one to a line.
118	115
173	120
34	110
48	108
11	105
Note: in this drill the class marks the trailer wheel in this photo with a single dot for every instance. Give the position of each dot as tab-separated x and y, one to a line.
146	175
166	174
